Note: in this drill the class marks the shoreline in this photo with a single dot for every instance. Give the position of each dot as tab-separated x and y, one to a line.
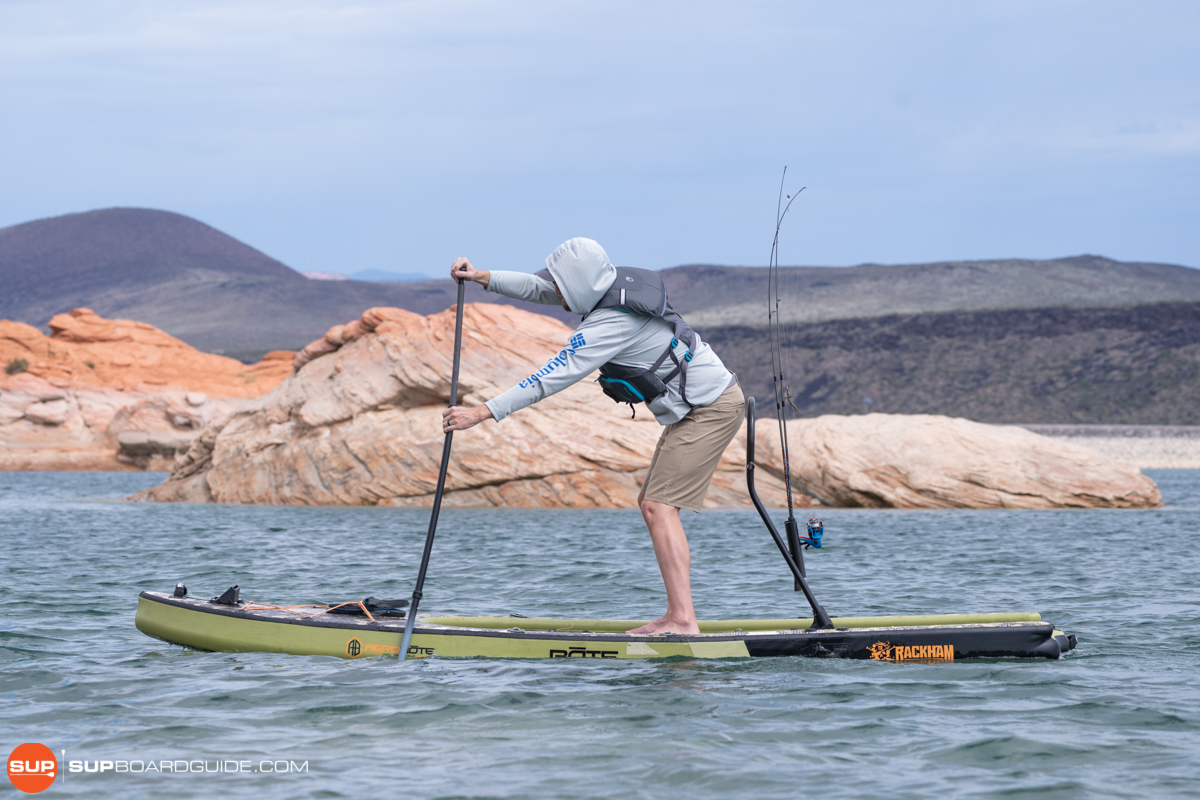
1144	446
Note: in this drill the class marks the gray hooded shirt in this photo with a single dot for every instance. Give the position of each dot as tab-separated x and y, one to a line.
583	273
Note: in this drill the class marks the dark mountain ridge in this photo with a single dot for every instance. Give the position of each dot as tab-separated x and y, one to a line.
1111	365
714	295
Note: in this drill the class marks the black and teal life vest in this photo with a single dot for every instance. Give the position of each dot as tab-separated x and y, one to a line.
641	292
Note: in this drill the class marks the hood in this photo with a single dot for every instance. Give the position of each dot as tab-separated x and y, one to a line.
582	271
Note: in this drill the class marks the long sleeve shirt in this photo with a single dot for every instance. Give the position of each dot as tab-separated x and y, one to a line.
608	334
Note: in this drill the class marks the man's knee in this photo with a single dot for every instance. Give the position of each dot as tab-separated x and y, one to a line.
654	510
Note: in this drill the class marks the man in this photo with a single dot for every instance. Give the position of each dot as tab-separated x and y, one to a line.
700	421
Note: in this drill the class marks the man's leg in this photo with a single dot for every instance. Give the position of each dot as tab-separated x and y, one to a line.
680	472
675	562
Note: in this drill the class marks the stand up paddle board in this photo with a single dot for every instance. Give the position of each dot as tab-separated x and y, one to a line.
313	631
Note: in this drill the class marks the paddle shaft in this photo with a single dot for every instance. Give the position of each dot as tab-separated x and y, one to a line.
441	483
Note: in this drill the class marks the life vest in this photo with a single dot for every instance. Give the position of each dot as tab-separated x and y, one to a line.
641	292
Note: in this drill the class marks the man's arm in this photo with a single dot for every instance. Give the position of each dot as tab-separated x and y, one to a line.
517	285
568	364
595	342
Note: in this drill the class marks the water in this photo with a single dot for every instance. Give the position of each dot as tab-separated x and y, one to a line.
1120	717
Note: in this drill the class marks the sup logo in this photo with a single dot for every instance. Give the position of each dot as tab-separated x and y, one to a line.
928	653
354	648
32	767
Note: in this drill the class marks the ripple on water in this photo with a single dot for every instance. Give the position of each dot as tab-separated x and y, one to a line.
1118	718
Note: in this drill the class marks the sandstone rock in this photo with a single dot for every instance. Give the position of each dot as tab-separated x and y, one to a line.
51	412
925	461
85	349
93	374
13	405
151	433
360	425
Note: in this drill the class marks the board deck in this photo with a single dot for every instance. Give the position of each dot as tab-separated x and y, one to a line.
204	625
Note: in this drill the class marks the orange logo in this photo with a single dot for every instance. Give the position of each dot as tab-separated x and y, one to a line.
354	648
880	651
931	653
32	767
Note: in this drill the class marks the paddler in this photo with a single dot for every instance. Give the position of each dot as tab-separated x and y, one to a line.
699	420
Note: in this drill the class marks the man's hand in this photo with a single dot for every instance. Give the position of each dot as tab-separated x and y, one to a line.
461	269
459	418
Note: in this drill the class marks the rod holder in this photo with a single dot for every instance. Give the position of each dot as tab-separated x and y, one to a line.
821	620
792	528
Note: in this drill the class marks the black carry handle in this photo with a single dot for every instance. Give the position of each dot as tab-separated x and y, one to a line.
821	620
441	483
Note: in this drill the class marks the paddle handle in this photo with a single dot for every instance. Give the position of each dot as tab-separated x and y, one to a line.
441	483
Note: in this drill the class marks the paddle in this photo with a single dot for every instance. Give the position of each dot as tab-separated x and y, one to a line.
441	483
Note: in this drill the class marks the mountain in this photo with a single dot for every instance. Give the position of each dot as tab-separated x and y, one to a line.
188	279
717	296
221	295
384	276
1113	365
370	275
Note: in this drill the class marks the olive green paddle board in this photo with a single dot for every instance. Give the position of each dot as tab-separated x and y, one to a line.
251	627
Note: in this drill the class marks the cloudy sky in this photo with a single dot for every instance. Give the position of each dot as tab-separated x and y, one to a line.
398	135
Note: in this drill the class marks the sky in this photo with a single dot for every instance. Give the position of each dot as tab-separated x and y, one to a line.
342	136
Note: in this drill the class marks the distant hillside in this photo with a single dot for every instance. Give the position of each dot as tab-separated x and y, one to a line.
1118	365
221	295
712	296
187	278
385	276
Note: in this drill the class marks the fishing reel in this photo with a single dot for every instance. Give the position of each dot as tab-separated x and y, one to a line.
816	529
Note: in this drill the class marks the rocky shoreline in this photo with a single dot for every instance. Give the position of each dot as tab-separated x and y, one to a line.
353	420
357	424
1145	446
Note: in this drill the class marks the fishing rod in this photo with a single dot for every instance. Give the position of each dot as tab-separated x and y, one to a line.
441	482
793	552
776	332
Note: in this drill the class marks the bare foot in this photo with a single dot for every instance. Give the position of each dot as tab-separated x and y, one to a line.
666	624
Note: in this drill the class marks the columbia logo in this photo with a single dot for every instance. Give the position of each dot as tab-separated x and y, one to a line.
576	341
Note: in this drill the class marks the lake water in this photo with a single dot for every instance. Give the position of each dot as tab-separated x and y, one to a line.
1119	717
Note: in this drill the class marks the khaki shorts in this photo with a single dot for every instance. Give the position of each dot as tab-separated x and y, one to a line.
688	451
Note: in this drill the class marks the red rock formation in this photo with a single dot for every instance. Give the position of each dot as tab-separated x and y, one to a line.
113	394
85	349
